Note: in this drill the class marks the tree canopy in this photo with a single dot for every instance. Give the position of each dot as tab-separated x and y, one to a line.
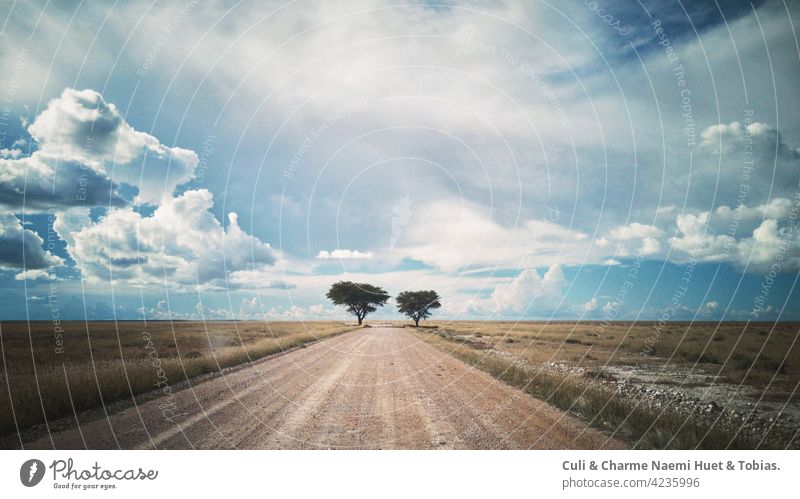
359	298
417	304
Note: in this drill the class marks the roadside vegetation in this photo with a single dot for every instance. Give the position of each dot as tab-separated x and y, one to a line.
571	366
762	355
105	362
636	424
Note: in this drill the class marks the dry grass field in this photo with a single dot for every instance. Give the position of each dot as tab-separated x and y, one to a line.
674	385
46	372
656	385
754	354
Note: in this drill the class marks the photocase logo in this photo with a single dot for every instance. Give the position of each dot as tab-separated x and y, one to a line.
31	472
401	214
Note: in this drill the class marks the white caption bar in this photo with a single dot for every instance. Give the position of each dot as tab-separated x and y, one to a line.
371	474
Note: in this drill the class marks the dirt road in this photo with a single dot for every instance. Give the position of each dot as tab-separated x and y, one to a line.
374	388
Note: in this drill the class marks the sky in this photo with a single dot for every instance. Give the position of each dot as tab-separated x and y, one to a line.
597	160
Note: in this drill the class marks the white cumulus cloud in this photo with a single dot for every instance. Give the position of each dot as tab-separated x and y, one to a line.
180	243
529	290
343	254
21	248
85	151
745	236
81	124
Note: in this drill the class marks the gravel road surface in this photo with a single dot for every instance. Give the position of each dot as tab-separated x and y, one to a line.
374	388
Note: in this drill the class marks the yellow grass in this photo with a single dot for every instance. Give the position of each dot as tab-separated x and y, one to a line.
757	354
765	356
624	418
103	362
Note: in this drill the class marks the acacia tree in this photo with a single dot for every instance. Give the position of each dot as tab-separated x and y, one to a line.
417	304
359	298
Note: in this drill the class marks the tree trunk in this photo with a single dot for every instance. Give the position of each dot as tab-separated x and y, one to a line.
416	321
360	319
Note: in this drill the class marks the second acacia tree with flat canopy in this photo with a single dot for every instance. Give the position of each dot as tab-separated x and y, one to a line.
417	304
360	298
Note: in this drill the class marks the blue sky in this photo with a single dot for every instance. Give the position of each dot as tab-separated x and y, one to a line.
527	160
